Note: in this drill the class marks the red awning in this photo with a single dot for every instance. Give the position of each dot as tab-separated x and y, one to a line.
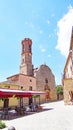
4	93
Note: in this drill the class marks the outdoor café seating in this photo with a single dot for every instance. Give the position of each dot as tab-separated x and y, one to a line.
33	107
5	94
20	110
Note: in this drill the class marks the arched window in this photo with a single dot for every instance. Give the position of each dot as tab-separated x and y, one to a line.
23	47
30	48
46	80
22	60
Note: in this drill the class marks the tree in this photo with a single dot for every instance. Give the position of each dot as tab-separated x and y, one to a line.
59	90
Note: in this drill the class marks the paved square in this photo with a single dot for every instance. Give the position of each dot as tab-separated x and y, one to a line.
57	117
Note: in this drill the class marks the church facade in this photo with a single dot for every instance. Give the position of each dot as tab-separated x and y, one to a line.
45	80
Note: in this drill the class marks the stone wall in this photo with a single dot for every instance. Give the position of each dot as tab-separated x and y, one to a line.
45	77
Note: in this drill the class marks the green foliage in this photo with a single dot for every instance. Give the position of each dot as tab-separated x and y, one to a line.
2	124
3	99
36	96
59	89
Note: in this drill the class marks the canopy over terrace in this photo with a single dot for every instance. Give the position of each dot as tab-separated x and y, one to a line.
8	93
5	93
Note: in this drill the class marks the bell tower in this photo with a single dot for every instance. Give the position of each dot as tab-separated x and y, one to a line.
26	66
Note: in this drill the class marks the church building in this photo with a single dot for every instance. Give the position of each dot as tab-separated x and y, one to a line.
30	78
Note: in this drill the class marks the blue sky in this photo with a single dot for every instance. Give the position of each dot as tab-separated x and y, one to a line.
47	22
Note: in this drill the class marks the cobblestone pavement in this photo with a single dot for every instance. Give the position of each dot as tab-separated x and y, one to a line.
57	117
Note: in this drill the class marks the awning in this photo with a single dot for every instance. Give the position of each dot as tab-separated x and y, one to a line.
4	93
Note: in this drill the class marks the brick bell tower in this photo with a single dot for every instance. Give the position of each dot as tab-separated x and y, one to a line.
26	66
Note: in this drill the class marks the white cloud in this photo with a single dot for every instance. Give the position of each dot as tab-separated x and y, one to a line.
53	15
48	21
40	31
49	55
49	35
42	49
64	32
31	25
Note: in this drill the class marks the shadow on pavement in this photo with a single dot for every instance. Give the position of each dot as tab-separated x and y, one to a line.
12	115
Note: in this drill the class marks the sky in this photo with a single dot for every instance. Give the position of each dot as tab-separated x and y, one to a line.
47	22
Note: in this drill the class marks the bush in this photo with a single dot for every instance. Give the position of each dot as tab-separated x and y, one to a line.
2	125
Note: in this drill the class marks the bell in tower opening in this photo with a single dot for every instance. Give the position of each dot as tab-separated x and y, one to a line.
26	66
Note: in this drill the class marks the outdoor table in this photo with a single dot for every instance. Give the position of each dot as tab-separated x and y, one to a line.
20	110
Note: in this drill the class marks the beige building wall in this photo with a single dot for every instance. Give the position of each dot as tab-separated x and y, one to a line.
68	87
68	75
12	101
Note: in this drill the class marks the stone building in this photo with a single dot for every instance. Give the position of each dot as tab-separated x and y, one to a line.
68	75
25	79
26	66
45	80
30	78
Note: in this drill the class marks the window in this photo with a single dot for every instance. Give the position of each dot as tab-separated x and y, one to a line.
30	48
30	80
21	87
23	47
30	87
46	80
7	86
